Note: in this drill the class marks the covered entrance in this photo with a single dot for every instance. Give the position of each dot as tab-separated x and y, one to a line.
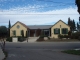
37	32
34	32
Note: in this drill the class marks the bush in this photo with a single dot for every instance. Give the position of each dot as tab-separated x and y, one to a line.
21	39
60	36
75	35
42	36
63	36
9	39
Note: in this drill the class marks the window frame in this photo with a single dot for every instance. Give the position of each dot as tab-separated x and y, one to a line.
65	31
58	31
18	26
14	32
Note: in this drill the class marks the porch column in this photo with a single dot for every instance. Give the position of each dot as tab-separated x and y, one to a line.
49	32
35	34
41	31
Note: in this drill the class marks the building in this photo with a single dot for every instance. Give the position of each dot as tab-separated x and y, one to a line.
52	31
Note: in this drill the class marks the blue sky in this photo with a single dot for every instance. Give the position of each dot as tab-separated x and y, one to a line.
37	12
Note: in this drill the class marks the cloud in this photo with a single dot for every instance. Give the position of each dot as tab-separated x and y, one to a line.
31	16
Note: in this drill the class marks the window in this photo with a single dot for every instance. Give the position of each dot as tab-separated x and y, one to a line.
60	26
21	32
57	31
18	26
14	32
64	31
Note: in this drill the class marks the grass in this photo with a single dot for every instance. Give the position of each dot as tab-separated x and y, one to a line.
74	52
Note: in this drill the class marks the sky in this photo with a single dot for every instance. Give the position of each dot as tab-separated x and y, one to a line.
37	12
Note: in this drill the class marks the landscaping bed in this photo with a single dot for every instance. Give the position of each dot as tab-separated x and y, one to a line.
62	40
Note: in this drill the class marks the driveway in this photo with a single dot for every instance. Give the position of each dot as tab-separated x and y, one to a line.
41	51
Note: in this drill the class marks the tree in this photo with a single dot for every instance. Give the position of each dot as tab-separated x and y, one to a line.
3	35
71	25
77	2
3	31
9	28
69	21
77	26
74	26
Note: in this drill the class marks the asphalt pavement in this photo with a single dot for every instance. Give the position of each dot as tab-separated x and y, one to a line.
2	56
41	51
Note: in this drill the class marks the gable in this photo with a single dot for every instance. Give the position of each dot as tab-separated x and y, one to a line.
15	26
61	24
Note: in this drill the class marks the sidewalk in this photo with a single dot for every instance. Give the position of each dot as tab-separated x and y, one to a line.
1	54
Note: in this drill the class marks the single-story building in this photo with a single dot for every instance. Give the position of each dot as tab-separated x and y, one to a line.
52	31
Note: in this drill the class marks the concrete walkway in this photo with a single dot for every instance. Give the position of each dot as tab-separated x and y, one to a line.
1	54
31	39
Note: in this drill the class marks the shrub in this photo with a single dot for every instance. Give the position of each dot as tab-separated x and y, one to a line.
60	36
75	35
69	33
9	39
21	39
63	36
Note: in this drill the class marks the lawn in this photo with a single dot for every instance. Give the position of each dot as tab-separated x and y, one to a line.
74	52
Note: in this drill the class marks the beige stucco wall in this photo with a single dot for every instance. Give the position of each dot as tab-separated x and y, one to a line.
18	31
63	25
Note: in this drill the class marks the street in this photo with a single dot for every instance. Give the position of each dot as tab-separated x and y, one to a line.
41	51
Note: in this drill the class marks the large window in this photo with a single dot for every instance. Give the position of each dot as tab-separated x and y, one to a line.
56	31
64	31
14	32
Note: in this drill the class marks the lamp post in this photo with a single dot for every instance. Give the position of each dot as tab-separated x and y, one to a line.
79	24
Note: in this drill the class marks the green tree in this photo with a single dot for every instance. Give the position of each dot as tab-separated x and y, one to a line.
69	21
71	25
77	26
74	26
9	28
77	2
3	31
3	35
